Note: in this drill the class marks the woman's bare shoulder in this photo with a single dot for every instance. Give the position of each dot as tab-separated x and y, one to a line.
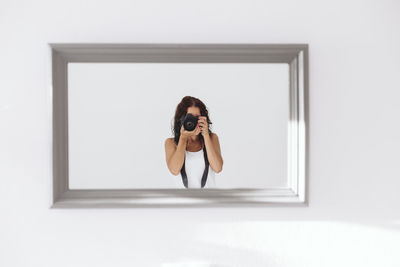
169	141
213	135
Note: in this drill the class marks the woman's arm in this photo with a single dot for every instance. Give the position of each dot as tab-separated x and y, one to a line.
175	155
214	152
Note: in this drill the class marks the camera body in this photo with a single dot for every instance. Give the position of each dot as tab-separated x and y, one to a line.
189	122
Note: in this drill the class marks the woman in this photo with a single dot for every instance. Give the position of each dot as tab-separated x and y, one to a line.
196	155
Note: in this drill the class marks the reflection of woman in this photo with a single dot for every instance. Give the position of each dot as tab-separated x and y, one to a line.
197	157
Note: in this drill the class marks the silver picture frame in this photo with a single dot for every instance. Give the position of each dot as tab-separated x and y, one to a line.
295	55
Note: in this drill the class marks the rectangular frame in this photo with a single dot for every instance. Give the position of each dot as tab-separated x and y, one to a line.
296	55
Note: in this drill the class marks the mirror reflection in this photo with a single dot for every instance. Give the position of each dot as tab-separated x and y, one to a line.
177	125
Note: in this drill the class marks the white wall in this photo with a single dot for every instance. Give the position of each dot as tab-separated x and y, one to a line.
354	214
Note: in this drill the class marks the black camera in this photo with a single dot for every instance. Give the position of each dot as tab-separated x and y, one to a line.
189	122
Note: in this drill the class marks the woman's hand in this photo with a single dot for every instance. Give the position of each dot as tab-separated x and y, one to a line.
203	124
187	134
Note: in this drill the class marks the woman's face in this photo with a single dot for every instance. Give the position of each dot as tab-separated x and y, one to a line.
195	111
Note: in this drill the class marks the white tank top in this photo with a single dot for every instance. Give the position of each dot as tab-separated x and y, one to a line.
194	167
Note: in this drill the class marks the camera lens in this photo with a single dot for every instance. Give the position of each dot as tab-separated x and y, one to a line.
190	122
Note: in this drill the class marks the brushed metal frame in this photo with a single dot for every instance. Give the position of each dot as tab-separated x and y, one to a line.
296	55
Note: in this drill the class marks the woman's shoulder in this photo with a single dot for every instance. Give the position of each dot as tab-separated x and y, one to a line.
214	135
169	141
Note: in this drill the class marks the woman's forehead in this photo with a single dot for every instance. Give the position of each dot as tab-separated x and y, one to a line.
194	110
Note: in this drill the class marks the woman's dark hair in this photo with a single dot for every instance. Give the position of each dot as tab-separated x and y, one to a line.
181	110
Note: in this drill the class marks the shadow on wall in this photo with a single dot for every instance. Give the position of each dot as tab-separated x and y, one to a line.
192	264
283	243
301	243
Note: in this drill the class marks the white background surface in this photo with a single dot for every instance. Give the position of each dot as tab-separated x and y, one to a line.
354	214
121	113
